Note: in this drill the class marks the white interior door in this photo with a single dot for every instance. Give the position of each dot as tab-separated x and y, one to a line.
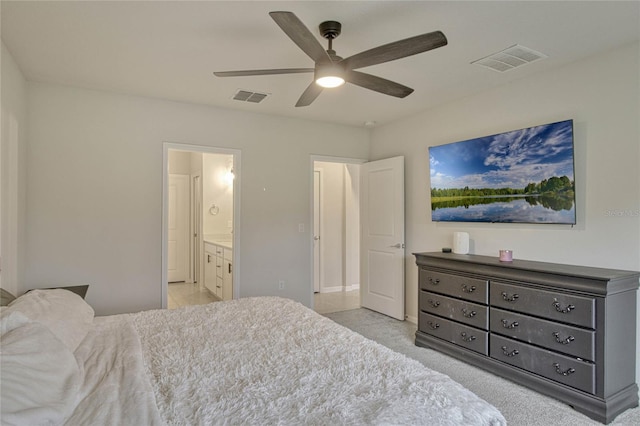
178	228
316	230
382	237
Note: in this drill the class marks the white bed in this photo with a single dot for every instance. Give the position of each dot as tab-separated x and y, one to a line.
251	361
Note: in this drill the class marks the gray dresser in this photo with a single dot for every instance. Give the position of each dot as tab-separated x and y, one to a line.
565	331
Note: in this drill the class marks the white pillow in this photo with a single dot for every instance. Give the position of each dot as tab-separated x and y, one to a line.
40	376
11	320
65	313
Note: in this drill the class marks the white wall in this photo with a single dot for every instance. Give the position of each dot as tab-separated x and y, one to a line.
95	191
332	219
12	173
340	226
217	190
352	226
601	94
196	164
179	162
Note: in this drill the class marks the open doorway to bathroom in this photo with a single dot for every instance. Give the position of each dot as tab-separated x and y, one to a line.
201	204
336	236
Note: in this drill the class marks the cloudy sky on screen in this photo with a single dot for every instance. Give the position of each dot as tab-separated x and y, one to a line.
512	159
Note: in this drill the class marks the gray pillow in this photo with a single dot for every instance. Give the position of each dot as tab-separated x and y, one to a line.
6	297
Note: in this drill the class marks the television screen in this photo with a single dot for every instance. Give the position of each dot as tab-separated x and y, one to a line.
522	176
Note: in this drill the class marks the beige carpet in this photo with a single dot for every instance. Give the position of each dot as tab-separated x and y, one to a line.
519	405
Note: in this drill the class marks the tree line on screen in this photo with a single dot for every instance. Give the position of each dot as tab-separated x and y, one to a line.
554	185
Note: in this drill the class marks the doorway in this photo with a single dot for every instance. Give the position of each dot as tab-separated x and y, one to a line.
369	208
201	210
336	252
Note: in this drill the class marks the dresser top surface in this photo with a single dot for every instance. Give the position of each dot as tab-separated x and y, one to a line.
534	266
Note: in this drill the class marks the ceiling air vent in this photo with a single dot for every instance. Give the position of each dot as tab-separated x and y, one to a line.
247	96
510	58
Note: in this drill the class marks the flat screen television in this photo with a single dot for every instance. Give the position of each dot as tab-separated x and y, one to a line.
521	176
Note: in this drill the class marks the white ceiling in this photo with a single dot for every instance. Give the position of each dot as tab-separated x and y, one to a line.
169	49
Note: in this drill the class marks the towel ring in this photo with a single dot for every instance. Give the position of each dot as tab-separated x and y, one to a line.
214	210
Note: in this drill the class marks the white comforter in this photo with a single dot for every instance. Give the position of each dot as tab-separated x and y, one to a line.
258	361
116	390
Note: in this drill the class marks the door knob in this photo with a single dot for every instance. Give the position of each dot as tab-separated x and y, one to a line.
316	238
399	245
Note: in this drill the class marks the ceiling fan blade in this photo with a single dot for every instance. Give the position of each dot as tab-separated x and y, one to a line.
261	72
396	50
300	35
378	84
309	95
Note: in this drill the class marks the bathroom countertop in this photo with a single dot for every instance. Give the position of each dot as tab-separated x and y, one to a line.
218	240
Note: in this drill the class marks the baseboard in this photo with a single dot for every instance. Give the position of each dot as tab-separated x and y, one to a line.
338	288
411	319
333	289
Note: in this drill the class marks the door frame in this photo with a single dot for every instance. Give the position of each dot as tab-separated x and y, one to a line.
236	153
312	159
195	235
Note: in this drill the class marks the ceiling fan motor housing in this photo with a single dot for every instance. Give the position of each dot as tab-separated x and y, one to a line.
330	29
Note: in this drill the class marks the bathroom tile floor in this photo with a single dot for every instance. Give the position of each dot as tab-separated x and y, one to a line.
183	294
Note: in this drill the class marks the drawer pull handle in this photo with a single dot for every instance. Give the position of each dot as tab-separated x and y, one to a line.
468	289
506	324
563	373
433	325
467	339
434	281
507	298
507	353
562	310
468	314
434	303
565	341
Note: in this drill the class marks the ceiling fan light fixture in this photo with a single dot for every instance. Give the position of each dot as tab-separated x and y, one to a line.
329	76
330	81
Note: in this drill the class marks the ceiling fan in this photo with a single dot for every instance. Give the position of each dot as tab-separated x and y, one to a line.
331	70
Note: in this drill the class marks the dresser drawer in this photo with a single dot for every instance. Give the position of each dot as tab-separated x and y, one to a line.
568	308
558	337
569	371
460	334
458	310
454	285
